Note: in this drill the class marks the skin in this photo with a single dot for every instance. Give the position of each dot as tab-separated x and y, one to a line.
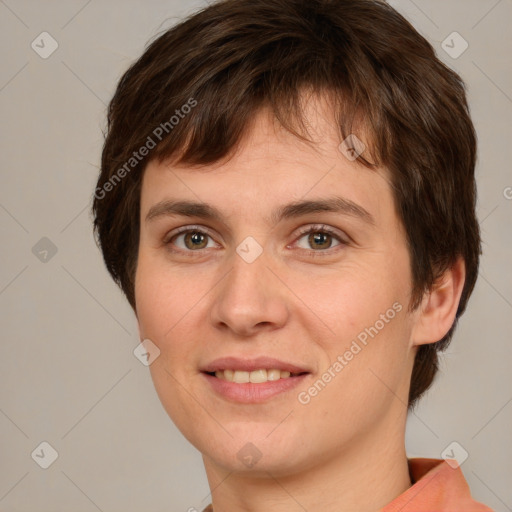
344	450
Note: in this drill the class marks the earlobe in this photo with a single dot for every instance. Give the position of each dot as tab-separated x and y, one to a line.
439	306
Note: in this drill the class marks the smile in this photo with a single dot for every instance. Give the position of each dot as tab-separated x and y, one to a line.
252	381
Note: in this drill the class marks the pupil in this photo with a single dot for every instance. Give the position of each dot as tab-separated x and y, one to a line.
319	239
196	238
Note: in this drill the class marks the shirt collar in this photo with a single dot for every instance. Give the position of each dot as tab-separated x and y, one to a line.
438	485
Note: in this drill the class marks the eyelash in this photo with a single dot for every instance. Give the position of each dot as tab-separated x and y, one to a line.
317	228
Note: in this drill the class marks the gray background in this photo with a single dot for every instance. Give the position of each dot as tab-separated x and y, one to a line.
67	369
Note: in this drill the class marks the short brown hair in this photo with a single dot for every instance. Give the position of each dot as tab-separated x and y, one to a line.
237	56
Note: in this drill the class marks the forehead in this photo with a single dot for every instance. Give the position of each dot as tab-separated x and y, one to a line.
272	167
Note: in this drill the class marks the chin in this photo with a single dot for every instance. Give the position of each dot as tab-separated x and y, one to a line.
255	463
253	451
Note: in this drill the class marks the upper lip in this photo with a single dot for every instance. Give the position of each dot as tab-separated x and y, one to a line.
249	365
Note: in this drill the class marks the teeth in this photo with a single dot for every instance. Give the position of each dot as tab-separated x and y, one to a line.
256	376
273	374
240	377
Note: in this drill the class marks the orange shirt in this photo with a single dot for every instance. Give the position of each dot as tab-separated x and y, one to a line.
437	487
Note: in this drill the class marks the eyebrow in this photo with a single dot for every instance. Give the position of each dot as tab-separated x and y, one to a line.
206	211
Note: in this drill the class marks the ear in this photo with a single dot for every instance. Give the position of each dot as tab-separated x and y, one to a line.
436	314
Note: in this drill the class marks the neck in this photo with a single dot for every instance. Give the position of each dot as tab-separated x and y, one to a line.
363	477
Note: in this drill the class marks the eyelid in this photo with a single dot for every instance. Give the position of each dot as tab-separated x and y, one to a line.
184	229
322	228
311	228
166	241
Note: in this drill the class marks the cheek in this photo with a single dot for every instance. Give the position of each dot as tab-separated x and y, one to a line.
162	308
152	308
365	367
161	297
168	305
351	298
365	356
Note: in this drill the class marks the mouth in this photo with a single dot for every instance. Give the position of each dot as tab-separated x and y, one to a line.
252	381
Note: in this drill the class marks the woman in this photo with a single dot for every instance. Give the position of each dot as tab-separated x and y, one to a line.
287	199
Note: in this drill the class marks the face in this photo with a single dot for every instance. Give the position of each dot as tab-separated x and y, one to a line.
292	274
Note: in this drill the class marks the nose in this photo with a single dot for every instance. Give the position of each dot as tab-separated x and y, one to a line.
251	298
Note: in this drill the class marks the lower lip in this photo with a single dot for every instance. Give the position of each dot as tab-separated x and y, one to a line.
253	393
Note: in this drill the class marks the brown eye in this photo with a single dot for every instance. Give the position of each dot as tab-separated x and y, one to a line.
195	240
189	240
320	240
